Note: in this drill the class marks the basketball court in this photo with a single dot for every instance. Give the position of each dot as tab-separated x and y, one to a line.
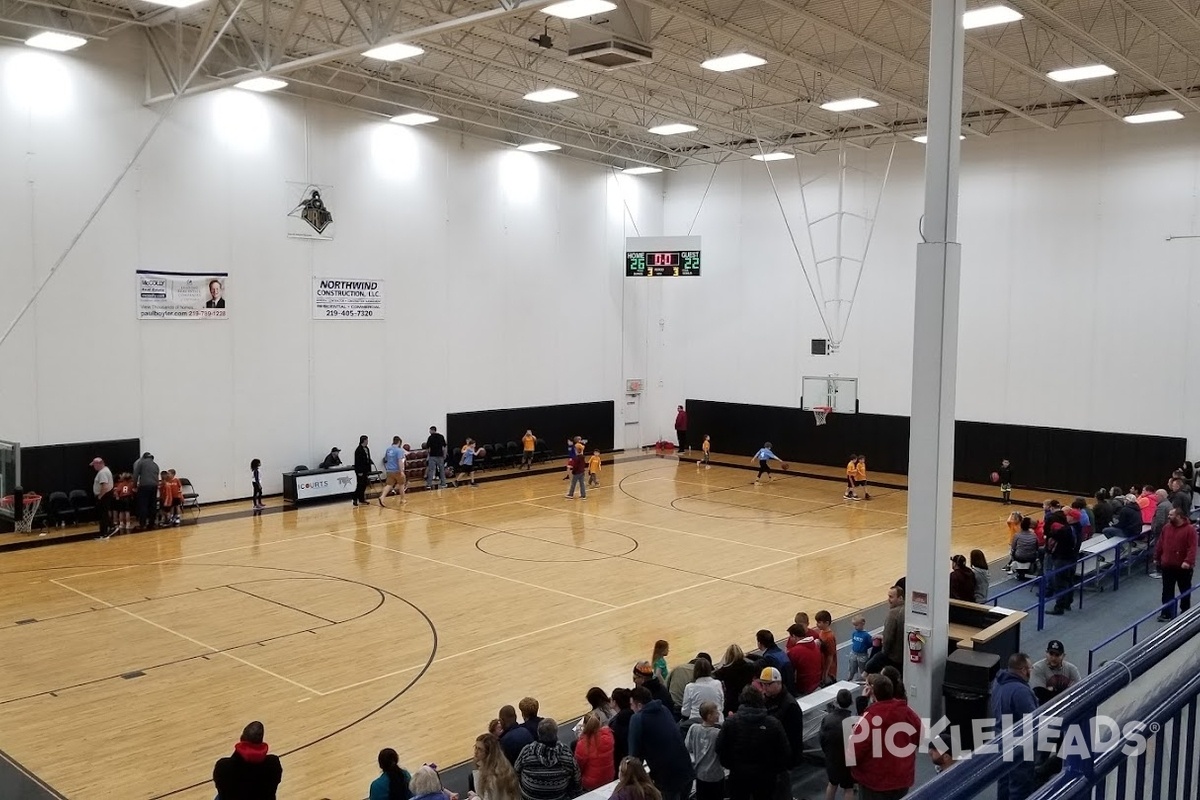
409	626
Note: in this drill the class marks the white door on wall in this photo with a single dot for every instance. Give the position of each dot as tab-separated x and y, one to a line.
632	417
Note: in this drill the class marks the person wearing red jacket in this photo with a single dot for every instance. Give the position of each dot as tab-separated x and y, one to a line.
594	754
1175	554
807	660
882	749
681	427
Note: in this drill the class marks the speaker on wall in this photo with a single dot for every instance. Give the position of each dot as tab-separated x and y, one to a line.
820	347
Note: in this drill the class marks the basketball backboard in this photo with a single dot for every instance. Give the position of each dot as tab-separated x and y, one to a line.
840	394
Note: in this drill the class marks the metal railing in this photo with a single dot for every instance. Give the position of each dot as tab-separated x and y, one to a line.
1134	627
1166	715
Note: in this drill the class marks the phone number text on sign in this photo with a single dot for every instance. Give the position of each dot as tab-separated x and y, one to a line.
340	298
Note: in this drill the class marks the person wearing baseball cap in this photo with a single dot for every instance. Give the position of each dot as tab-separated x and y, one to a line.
781	705
1053	675
102	487
643	676
334	459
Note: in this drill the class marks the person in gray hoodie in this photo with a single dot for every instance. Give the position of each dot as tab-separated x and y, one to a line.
145	474
1025	549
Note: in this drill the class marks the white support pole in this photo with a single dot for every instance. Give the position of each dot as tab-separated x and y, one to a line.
935	353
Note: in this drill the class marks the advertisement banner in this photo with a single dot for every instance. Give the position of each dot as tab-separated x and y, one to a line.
182	295
347	298
325	484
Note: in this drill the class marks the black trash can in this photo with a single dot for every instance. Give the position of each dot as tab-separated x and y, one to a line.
966	692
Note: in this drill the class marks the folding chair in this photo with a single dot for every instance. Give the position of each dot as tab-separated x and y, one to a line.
191	500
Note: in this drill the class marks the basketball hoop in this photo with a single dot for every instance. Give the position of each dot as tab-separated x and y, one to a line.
820	413
32	502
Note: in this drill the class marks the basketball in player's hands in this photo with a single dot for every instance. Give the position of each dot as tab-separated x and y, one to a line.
995	477
481	453
786	467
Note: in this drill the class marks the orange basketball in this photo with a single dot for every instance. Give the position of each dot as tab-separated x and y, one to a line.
995	477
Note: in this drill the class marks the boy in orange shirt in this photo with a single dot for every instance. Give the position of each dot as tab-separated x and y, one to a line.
705	449
851	474
176	496
860	475
164	498
594	469
828	644
528	443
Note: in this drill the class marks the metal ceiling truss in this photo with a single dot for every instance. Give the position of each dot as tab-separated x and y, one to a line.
479	64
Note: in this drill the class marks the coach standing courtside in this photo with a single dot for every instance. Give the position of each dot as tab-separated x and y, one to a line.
435	461
146	473
102	488
362	470
681	427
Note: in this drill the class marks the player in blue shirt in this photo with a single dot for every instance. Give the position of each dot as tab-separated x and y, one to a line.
466	463
764	457
393	471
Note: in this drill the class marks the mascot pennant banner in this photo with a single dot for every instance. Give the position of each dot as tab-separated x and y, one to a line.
310	213
182	295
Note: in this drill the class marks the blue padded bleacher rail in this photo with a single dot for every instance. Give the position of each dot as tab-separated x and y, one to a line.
1134	627
1166	704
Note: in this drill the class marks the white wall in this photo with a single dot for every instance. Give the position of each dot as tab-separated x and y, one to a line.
1076	311
503	272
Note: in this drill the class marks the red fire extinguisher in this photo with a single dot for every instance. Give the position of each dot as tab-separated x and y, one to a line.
916	644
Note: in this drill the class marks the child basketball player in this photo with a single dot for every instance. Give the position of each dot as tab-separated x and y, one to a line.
860	475
1004	476
851	475
123	492
466	463
594	469
705	449
528	444
764	457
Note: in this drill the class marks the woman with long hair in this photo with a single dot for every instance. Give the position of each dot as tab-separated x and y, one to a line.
893	675
493	775
594	754
634	783
601	705
393	782
735	674
983	575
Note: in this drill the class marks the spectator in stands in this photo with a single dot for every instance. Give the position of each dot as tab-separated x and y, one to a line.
962	580
884	745
1175	554
1181	494
828	640
735	674
1062	551
754	748
1053	674
529	715
546	769
833	746
807	660
334	459
1012	699
860	647
1085	518
781	705
1146	503
892	651
983	575
1164	504
704	689
701	743
1127	518
802	619
393	782
654	737
940	755
633	783
601	706
643	676
773	656
1102	511
681	676
514	737
251	773
1025	550
493	776
146	473
620	724
893	675
594	754
426	784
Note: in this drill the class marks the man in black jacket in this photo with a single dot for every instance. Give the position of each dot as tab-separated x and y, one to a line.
1062	551
754	748
782	706
513	736
654	737
435	459
833	746
250	773
362	470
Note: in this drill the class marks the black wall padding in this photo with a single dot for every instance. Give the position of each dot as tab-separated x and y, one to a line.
592	421
1044	458
63	467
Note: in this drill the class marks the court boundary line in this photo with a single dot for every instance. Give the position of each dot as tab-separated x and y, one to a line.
212	650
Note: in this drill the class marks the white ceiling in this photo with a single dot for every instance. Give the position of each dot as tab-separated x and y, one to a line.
479	63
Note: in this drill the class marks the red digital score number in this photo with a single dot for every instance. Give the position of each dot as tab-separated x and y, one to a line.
663	259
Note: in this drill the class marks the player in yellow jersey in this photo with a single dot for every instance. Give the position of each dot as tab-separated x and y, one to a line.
528	444
594	468
705	449
860	475
851	478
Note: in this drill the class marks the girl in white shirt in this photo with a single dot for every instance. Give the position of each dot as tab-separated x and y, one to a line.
703	688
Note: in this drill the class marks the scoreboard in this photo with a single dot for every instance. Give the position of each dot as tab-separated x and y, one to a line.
662	257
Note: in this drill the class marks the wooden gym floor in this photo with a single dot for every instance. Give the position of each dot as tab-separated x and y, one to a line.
130	665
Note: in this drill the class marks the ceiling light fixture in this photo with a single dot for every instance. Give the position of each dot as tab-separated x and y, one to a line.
174	3
1154	116
924	138
414	118
574	9
551	95
261	84
539	147
1081	73
640	171
850	104
394	52
672	128
777	156
733	61
990	15
52	40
